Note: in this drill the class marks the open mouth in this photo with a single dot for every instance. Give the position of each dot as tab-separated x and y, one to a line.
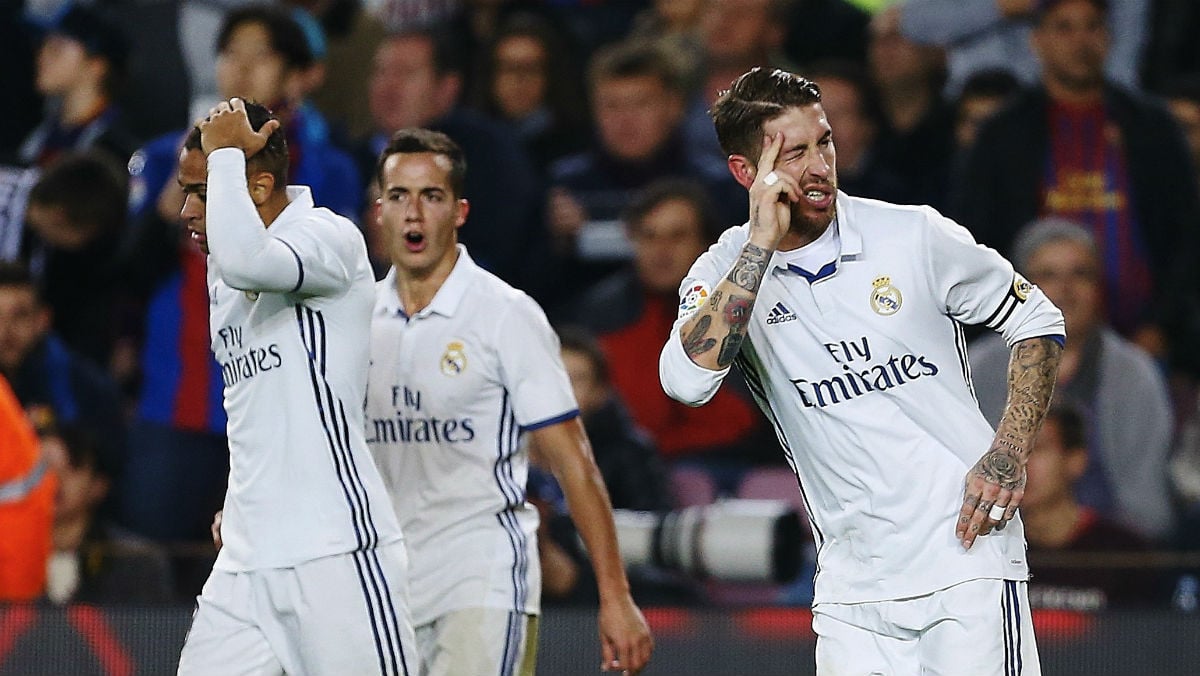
818	197
414	241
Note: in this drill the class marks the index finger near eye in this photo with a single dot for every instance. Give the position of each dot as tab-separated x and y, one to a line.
766	160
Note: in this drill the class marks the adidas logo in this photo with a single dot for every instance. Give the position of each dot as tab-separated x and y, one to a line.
780	314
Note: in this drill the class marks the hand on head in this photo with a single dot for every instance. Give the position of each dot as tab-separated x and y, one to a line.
228	126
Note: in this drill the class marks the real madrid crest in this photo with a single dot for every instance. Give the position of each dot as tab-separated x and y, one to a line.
1021	287
885	298
454	360
251	295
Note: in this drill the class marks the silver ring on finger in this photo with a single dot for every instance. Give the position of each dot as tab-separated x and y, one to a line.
997	512
770	179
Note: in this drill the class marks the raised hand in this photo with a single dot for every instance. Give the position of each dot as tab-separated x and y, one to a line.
228	126
771	197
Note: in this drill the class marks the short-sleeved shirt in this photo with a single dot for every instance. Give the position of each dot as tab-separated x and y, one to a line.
864	374
451	391
301	481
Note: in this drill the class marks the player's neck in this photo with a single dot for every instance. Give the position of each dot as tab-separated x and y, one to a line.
269	210
1051	526
417	288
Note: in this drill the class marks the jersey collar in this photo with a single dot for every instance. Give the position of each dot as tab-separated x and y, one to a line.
848	233
445	301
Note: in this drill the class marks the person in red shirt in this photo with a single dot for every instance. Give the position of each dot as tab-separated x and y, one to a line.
669	225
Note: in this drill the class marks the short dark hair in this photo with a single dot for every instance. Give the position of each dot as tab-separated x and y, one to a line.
579	339
101	36
1071	429
416	140
639	57
668	189
447	47
284	34
1182	87
754	98
89	187
856	75
272	158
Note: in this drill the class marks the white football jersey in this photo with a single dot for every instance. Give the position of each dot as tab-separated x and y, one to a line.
290	311
863	372
450	392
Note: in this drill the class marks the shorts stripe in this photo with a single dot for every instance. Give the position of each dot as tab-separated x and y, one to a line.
1011	605
512	644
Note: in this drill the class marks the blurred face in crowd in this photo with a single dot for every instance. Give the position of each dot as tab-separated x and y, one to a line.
1069	274
63	64
1053	469
419	213
666	241
843	104
52	224
896	61
405	88
250	69
736	32
193	179
972	112
519	85
1187	114
590	391
635	115
680	15
23	322
1072	42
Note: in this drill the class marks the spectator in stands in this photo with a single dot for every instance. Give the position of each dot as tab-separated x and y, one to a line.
670	223
982	94
1081	147
27	489
1118	386
530	83
851	104
353	35
56	385
633	474
638	99
91	561
1056	522
915	138
983	34
80	64
76	220
417	81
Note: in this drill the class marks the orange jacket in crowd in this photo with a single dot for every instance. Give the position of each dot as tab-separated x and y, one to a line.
27	493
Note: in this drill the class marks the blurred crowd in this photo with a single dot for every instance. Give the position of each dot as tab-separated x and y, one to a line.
1063	133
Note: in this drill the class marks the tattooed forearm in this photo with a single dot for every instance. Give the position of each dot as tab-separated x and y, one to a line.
695	343
1031	373
737	316
748	271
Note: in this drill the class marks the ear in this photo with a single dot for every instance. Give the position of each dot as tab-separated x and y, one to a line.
261	185
464	207
743	169
97	489
44	318
1076	462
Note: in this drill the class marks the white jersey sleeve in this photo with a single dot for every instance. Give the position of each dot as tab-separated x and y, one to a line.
531	367
314	260
981	287
683	379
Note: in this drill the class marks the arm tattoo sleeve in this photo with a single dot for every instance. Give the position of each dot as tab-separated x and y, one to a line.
1031	374
748	271
695	343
